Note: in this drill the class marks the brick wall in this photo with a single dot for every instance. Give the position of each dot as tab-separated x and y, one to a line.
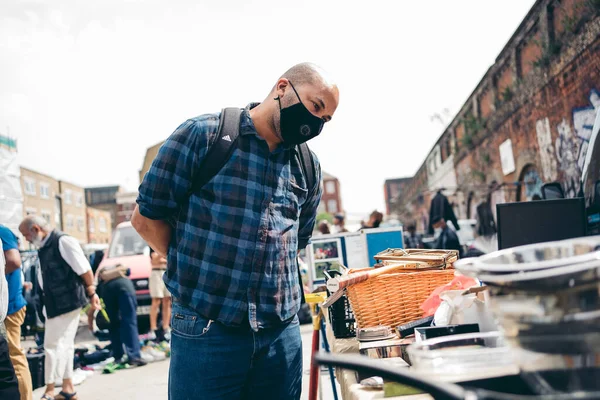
529	54
547	86
99	225
39	196
486	103
74	215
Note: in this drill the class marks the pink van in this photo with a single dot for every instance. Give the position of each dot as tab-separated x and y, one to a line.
128	248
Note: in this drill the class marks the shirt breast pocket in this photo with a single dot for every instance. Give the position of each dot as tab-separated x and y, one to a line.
293	201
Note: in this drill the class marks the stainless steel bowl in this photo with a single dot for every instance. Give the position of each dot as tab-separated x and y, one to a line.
533	257
546	297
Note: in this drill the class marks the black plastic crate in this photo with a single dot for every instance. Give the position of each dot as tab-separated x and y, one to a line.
342	318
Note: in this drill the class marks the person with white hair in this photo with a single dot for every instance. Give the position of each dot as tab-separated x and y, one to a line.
67	282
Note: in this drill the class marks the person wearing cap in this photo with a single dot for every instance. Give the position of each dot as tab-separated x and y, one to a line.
448	239
339	224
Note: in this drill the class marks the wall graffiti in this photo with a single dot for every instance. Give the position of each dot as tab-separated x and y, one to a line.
549	165
567	150
567	154
533	185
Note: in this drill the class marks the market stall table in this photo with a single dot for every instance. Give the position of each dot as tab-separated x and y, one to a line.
350	388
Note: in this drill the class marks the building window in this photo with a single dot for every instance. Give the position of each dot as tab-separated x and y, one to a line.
69	222
80	224
44	191
47	215
68	196
330	187
91	224
79	201
29	186
332	206
30	211
102	224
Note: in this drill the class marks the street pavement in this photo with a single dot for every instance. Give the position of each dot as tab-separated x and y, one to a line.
151	382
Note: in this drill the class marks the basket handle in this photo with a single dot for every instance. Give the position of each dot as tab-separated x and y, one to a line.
335	284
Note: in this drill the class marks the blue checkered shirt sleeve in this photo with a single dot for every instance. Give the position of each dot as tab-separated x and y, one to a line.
168	182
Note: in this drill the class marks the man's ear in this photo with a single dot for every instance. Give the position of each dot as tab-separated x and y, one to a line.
281	87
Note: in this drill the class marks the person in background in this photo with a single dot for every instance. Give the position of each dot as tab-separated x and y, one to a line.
160	295
323	228
448	239
67	282
9	385
339	224
120	302
412	240
441	207
16	310
375	219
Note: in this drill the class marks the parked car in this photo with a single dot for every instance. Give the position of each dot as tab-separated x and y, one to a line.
128	248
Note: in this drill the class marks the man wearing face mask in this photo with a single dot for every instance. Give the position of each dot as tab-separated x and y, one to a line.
67	281
232	266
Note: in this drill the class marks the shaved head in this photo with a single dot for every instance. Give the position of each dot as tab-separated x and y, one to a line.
307	74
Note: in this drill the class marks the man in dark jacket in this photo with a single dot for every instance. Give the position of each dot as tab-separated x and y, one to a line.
120	302
448	239
68	283
441	207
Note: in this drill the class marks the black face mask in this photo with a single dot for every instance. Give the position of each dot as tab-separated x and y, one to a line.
297	123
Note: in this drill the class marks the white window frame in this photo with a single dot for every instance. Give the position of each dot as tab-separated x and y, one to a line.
29	188
46	213
330	209
70	222
44	190
68	196
330	187
102	225
91	224
79	200
31	211
81	224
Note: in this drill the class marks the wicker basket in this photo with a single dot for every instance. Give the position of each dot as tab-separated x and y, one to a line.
394	299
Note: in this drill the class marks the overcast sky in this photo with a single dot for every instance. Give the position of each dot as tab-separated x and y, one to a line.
87	86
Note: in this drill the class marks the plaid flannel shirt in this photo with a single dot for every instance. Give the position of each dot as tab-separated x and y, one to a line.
233	253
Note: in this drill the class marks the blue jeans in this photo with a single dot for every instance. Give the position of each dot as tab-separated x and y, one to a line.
213	361
123	325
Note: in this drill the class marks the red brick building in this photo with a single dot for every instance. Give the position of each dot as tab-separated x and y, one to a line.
528	121
392	188
331	202
125	206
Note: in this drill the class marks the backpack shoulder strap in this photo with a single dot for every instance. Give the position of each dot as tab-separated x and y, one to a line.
221	149
308	168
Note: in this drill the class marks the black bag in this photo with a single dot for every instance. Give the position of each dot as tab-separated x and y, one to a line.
36	368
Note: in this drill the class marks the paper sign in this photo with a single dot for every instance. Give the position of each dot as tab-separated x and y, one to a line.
356	251
506	157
